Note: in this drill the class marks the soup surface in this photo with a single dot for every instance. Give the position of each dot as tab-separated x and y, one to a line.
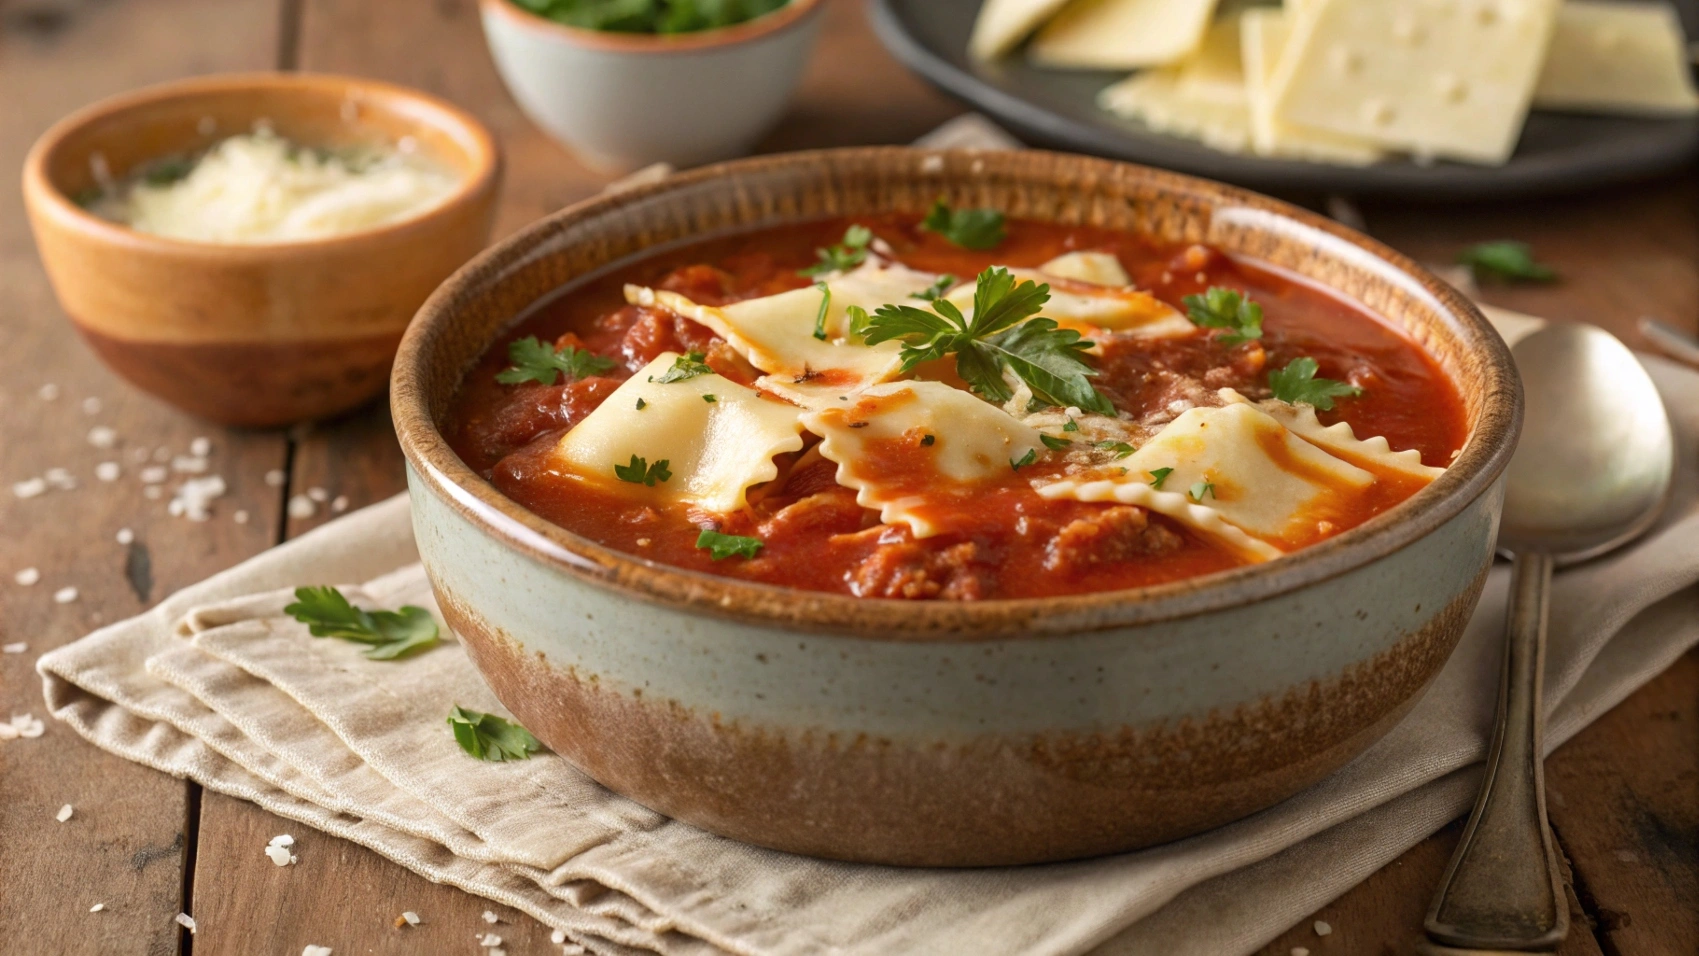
902	421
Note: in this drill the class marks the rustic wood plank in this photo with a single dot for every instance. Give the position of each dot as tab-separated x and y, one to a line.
128	840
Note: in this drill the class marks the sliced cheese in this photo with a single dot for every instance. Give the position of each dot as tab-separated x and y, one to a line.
1617	58
1073	302
1121	34
715	450
972	442
1263	33
1440	78
1003	24
1156	99
1096	268
1264	480
1374	454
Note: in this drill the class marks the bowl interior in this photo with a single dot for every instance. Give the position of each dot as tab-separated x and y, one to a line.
471	310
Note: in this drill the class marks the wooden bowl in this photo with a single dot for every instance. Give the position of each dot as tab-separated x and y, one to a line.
255	335
952	733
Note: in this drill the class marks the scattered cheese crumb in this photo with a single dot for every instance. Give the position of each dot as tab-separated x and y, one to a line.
1323	928
318	494
279	855
240	517
187	922
189	464
339	504
48	392
154	474
200	447
312	950
489	940
282	839
17	648
27	576
301	506
97	907
29	487
126	536
64	813
410	918
108	471
91	406
194	497
22	725
557	937
60	478
65	595
489	916
102	436
274	478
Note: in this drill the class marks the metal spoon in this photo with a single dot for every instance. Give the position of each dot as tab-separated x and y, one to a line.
1591	473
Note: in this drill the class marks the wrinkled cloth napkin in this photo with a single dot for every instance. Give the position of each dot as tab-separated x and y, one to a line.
216	684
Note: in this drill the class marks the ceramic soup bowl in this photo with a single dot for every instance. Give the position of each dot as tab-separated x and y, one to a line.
944	733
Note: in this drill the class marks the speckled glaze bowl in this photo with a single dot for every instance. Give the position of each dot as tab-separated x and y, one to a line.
254	335
938	733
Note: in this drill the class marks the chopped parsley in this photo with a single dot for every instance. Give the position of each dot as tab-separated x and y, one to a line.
1200	489
1225	309
686	366
1072	426
1158	476
1120	448
489	737
825	307
1002	335
641	404
858	321
939	286
1297	382
844	256
387	634
536	361
928	440
721	546
710	398
1026	459
968	228
640	472
1052	442
1505	259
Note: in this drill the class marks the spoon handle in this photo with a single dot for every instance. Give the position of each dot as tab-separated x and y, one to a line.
1503	890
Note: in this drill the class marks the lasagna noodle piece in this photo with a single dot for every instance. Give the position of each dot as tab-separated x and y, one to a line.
972	442
1374	454
1095	268
715	449
1264	481
1075	302
1003	24
1618	57
1121	34
1450	80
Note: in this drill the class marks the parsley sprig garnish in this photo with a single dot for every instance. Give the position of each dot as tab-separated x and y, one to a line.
721	546
489	737
939	286
387	634
844	256
1229	309
1505	259
968	228
640	472
536	361
686	366
1297	382
1002	335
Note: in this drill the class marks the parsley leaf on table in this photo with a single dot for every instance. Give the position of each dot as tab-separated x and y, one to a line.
968	228
1002	334
387	634
536	361
489	737
1505	259
844	256
1229	309
640	472
721	546
1297	382
686	366
939	286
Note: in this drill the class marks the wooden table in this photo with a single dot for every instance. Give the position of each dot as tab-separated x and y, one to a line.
1624	794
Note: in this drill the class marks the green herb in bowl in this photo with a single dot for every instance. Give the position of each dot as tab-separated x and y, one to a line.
651	16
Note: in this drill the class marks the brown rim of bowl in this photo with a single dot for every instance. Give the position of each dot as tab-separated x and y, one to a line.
647	43
1483	459
461	126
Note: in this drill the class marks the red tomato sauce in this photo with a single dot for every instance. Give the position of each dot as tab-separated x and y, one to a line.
999	541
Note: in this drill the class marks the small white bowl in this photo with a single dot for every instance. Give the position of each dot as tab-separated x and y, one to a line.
622	101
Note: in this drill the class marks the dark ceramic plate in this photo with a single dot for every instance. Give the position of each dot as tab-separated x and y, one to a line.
1558	152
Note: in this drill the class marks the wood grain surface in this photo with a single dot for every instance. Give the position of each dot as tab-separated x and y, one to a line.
1625	792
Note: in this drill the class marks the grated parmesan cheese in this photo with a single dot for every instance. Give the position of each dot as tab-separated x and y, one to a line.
17	648
64	813
261	188
187	922
27	576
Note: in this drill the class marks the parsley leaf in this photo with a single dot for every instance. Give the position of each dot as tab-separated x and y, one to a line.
1200	489
388	634
938	287
1297	382
1002	335
640	472
858	321
686	366
641	404
489	737
1158	476
710	398
1053	443
1072	426
825	307
844	256
968	228
536	361
1225	309
1026	459
722	546
1120	448
1505	259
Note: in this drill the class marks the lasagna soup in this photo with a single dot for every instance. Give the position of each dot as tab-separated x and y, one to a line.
955	407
